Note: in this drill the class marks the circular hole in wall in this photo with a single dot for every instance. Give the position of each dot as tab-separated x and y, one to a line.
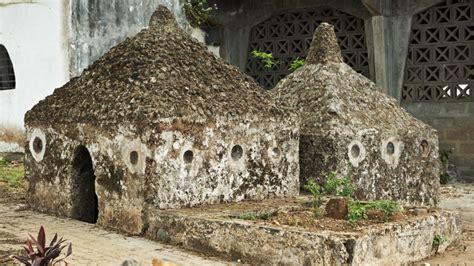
276	152
37	145
355	151
134	157
188	156
390	148
237	152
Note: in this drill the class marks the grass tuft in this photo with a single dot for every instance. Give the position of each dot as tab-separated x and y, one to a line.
11	174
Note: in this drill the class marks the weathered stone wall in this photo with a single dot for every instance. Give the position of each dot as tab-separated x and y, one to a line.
97	25
346	118
455	125
164	174
393	243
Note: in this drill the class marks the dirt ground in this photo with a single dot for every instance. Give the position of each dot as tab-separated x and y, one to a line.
458	197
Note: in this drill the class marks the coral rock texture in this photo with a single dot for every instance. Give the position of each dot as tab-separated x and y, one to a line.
346	118
166	125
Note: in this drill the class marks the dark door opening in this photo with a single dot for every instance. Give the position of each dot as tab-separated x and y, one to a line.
85	204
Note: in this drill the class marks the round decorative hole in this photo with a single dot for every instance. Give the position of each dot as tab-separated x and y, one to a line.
276	152
390	148
237	152
134	157
355	151
188	156
37	145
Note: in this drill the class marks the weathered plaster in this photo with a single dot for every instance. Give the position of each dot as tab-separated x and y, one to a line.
392	243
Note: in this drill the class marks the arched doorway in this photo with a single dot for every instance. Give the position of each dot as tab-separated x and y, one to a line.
85	203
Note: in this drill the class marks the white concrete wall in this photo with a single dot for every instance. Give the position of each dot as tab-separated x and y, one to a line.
200	35
35	35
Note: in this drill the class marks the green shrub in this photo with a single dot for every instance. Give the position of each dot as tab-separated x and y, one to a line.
248	216
3	161
444	176
315	191
358	210
438	240
14	176
266	58
251	216
339	186
296	63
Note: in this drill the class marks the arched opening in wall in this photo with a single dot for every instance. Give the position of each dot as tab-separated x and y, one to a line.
7	75
85	203
440	66
288	35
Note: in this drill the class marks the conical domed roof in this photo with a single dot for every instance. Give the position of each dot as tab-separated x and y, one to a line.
331	96
161	73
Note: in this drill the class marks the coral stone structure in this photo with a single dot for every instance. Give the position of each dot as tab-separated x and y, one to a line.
346	118
157	122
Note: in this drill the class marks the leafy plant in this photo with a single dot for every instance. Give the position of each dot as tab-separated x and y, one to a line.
444	176
315	191
444	157
248	216
266	58
438	240
358	210
296	63
339	186
44	255
3	161
198	12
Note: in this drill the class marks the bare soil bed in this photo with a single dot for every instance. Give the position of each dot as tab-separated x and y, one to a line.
305	218
297	212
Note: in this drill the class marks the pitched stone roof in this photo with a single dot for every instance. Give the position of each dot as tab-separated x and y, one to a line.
160	73
330	96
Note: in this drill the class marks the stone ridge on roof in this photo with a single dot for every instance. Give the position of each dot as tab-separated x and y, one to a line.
330	95
160	73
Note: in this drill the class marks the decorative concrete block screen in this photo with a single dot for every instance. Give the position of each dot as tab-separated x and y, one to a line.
288	36
440	63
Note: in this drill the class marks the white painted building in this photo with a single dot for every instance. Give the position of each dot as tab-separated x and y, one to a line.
51	41
34	34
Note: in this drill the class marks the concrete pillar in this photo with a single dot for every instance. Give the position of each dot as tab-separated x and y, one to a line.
234	45
387	40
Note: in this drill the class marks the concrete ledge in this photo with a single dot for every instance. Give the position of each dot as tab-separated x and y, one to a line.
381	244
